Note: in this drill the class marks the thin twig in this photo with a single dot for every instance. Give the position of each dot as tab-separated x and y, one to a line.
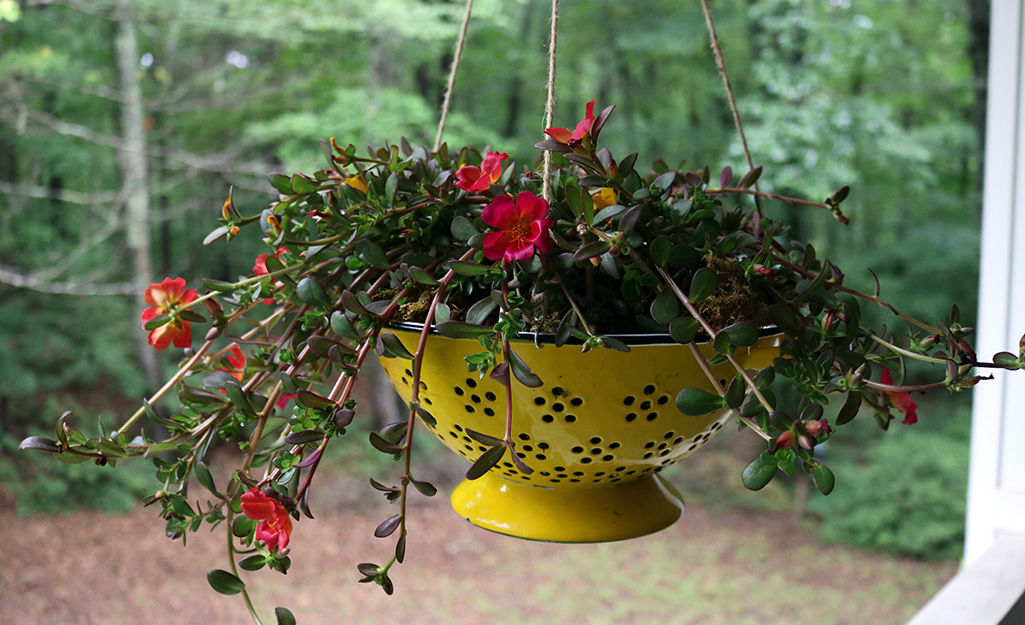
720	62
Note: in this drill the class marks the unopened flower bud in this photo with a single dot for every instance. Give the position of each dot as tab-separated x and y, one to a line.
829	319
784	441
765	271
228	209
214	307
806	441
817	427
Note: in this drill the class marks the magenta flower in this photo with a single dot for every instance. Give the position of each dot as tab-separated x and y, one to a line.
476	179
522	226
583	129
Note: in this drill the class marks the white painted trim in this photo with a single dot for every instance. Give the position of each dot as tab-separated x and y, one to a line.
996	485
982	593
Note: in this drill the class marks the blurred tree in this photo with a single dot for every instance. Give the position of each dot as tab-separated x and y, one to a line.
882	95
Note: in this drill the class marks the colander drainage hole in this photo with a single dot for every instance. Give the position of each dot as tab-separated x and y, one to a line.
649	389
459	391
628	400
539	401
570	418
471	382
523	436
631	416
548	418
577	450
576	401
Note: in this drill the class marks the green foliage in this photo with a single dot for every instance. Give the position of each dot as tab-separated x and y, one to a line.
902	492
42	486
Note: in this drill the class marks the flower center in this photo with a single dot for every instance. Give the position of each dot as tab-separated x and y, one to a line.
519	230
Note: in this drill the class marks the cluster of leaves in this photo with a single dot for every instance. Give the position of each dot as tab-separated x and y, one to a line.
386	237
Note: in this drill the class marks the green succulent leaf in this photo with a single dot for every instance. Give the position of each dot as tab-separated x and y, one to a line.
823	478
696	402
310	292
759	472
284	616
703	284
485	462
224	582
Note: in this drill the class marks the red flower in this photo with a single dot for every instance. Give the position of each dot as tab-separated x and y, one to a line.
275	526
523	225
166	298
900	400
260	267
477	179
582	130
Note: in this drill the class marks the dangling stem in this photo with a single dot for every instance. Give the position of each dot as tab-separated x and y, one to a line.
720	62
452	75
546	172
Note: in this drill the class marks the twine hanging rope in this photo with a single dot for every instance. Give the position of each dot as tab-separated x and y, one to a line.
452	75
720	62
546	170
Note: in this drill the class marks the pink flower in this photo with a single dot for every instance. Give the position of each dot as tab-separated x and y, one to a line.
476	179
523	225
275	526
583	129
900	400
166	298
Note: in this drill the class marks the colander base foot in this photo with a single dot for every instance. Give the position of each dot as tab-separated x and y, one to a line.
570	514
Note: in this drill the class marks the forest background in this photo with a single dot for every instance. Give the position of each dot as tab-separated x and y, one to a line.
123	124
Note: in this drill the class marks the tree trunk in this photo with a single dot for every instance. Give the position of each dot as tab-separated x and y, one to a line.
132	156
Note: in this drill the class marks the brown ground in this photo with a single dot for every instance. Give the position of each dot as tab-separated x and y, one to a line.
713	567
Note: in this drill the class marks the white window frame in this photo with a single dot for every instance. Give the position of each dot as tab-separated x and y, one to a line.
993	574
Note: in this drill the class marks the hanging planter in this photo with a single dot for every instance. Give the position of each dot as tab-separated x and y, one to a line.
590	441
565	439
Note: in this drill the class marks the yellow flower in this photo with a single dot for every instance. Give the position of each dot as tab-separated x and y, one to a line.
357	182
603	197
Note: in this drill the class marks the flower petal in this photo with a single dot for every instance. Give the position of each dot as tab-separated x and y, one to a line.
561	135
495	244
499	212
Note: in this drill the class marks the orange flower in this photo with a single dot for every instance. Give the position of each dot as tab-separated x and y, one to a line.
900	400
477	179
275	526
581	132
166	298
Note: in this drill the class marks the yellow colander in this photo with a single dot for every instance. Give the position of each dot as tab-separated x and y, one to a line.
595	433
